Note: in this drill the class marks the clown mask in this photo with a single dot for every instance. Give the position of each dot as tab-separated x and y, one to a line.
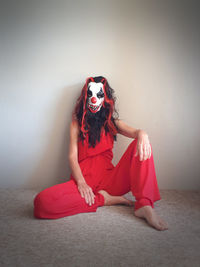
95	96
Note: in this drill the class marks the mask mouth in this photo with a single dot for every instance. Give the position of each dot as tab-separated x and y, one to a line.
94	108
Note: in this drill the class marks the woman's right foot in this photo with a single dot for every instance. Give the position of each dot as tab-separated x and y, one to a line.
113	200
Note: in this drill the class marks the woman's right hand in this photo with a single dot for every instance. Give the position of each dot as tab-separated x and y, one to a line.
86	192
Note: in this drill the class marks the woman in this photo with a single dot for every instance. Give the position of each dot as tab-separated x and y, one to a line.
94	180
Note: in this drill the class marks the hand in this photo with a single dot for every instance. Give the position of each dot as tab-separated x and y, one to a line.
143	146
86	192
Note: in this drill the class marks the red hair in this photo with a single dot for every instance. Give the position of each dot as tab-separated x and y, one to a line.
110	103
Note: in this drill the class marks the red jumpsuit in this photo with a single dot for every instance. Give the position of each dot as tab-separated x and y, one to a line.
130	174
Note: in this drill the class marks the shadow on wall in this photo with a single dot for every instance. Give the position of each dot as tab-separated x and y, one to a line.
53	166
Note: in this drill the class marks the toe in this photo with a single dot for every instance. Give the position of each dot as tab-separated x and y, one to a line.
157	226
160	227
163	226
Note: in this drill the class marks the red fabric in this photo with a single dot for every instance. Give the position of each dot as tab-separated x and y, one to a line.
130	174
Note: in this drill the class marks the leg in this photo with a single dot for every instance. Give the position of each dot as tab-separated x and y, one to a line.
110	200
131	174
63	200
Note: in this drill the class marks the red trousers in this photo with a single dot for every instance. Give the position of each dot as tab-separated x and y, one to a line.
130	174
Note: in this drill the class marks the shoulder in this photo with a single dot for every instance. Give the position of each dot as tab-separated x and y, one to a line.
117	120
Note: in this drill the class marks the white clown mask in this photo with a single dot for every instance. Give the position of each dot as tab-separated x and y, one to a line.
95	96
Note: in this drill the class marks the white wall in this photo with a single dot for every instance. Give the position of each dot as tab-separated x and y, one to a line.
149	52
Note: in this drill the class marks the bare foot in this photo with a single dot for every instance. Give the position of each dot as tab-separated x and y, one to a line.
148	213
113	200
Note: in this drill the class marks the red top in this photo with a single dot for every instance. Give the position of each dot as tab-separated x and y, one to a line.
106	143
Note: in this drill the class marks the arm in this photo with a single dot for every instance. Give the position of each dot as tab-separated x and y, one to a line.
73	153
84	189
126	130
143	144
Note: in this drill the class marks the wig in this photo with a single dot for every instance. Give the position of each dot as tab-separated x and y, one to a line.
92	123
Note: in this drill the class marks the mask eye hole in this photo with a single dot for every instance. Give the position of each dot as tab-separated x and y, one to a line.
89	93
100	94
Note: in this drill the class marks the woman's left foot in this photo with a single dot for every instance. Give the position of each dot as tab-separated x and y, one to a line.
149	214
113	200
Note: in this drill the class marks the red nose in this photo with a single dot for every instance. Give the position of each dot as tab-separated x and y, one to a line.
93	100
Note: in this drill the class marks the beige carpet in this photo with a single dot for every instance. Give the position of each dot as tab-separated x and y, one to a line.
112	236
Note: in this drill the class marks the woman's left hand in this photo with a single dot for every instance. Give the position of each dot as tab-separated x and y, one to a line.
143	146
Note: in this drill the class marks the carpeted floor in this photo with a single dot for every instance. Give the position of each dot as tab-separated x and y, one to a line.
112	236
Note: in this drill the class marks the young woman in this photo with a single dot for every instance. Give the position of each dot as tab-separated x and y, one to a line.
94	180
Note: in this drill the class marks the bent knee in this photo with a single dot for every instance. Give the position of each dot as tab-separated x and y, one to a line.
133	144
40	205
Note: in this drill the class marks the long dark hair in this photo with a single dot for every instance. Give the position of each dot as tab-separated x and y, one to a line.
92	123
